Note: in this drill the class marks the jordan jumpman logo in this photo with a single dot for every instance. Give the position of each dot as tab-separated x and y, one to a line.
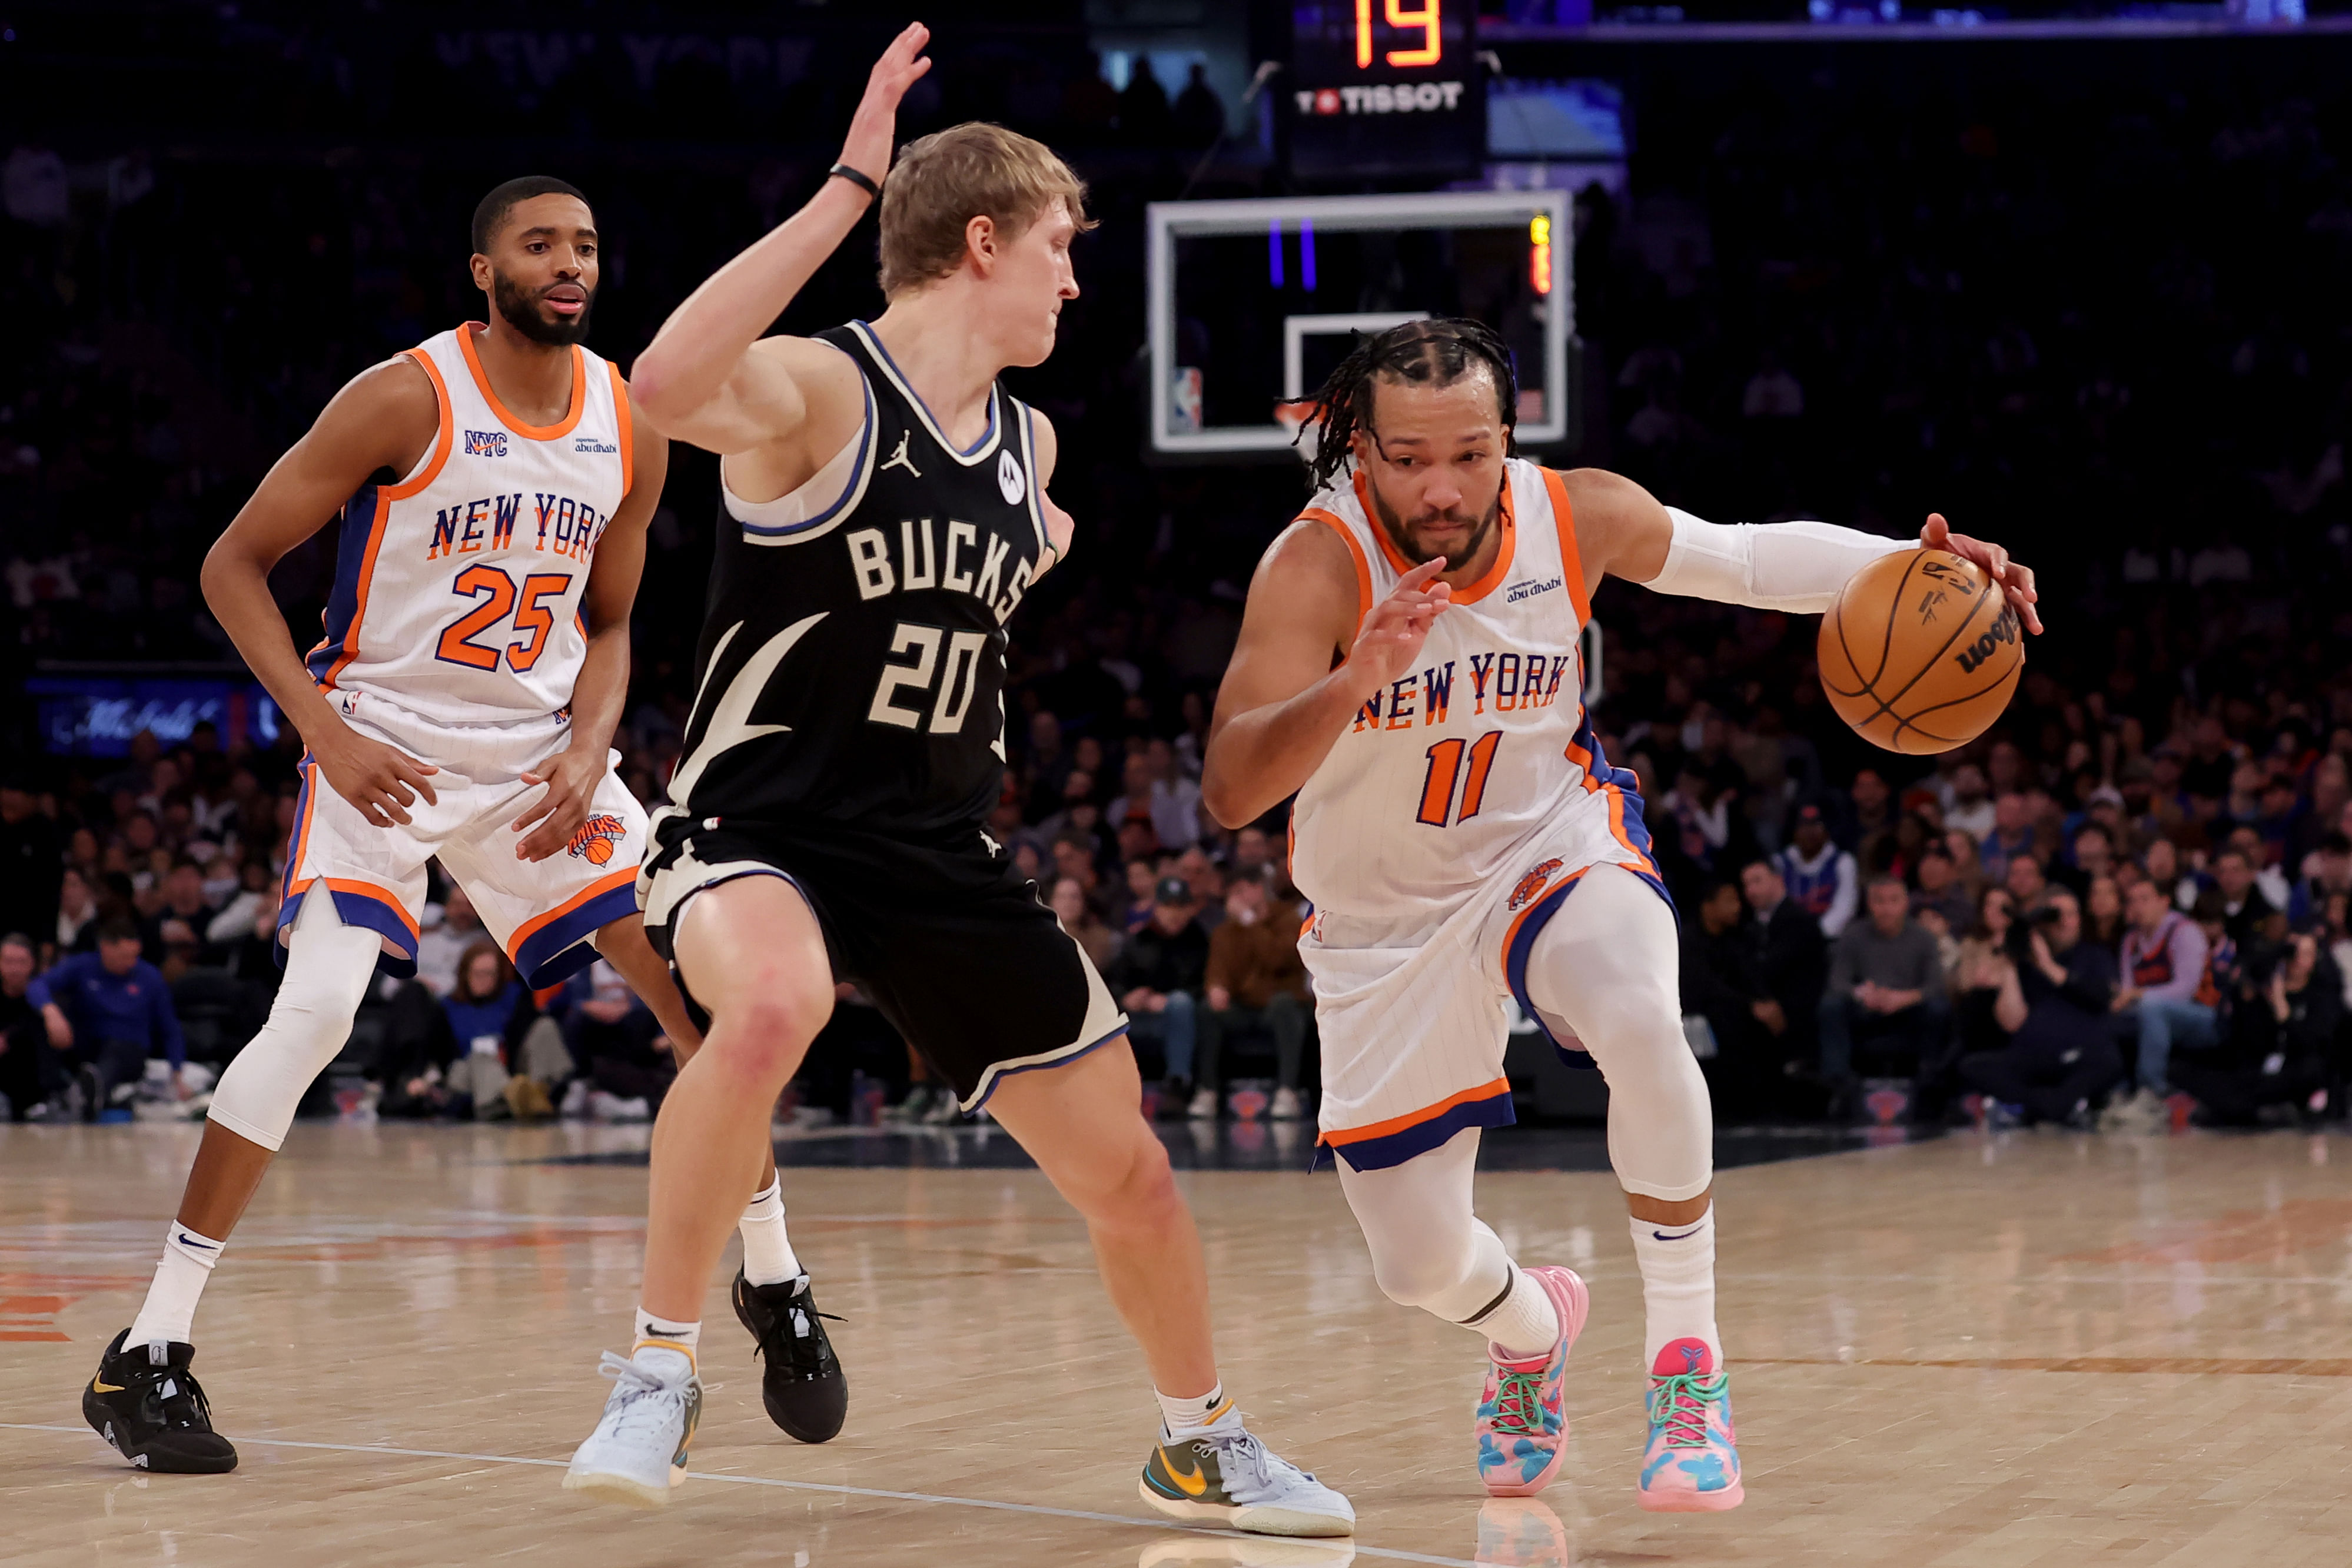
898	459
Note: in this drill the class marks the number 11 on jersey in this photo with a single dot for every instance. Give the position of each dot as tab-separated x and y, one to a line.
1445	769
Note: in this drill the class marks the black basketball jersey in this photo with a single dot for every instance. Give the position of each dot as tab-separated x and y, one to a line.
851	668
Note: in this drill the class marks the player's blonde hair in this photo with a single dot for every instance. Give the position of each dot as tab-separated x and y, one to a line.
943	181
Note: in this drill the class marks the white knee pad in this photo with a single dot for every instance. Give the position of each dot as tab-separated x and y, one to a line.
1428	1250
328	967
1608	970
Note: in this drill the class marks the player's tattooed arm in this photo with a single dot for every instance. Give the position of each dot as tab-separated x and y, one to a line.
602	690
708	376
379	427
1284	702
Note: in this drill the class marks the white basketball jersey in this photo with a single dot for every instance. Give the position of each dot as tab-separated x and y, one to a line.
458	590
1447	773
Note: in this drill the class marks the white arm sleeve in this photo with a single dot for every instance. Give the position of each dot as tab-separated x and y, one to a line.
1795	566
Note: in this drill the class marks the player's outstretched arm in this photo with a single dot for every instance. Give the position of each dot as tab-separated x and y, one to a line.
702	379
602	689
1282	705
384	420
1622	531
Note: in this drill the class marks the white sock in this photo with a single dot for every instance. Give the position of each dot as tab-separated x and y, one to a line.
1677	1284
1192	1414
661	1338
768	1257
1523	1317
171	1306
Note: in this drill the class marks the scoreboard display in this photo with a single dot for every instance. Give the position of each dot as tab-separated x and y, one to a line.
1384	90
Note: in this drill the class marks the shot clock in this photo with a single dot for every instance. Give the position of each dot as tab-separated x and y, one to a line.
1384	90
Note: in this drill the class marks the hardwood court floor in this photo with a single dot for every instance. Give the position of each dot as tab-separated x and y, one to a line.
2035	1350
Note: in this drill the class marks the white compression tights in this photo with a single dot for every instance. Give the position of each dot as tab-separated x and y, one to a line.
327	966
1606	969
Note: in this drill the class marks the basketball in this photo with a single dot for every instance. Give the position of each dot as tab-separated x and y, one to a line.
1921	652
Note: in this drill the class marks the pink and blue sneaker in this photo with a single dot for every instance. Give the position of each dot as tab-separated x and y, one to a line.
1522	1420
1692	1463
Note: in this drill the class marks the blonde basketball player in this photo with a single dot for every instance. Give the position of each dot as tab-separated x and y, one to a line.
493	486
1408	666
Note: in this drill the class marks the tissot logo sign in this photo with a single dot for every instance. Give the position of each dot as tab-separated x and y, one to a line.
1381	89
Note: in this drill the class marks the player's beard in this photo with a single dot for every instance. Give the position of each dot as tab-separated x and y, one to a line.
520	308
1401	535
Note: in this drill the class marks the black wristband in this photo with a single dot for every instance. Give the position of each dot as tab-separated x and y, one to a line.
855	177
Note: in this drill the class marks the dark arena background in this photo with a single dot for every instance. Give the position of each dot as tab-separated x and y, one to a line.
2074	276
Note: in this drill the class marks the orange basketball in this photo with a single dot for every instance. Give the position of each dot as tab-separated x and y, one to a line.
1921	652
598	850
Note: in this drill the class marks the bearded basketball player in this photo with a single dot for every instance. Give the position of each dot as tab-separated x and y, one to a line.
493	485
1408	666
883	511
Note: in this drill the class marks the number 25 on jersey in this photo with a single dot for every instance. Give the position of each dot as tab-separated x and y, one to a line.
530	618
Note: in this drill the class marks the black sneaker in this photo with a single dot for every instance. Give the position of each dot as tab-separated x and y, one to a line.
803	1387
154	1412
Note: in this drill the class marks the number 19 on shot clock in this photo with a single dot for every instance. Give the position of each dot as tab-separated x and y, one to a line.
1382	89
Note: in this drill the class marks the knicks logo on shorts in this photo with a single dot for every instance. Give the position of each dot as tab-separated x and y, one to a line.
596	837
1532	883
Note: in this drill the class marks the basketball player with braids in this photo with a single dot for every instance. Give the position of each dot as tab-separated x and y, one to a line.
492	485
883	511
1408	667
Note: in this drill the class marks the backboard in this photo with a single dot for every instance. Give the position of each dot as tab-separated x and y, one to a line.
1252	303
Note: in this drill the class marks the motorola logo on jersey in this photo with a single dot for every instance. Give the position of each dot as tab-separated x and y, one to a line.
927	556
486	443
1507	683
1010	479
554	524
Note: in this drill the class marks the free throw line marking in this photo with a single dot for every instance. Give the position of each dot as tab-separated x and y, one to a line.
1136	1521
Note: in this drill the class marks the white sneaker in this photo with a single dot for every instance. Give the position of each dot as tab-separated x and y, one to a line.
637	1452
576	1101
943	1109
2141	1115
1223	1475
1203	1107
634	1108
1286	1105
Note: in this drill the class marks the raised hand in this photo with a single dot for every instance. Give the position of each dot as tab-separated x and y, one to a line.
381	780
1390	637
2016	581
873	129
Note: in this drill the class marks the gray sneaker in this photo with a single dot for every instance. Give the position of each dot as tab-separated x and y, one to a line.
1223	1475
637	1452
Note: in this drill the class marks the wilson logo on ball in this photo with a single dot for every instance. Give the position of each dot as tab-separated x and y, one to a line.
2004	630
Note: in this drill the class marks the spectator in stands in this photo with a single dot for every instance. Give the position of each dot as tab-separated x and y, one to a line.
2327	873
2024	879
2281	1042
1886	983
1744	1042
1078	918
1821	876
624	1058
32	859
23	1037
1982	969
2059	1055
2156	1007
171	937
2161	861
1791	958
443	942
1938	893
1254	856
110	1010
1157	978
75	925
1255	980
2103	912
2012	833
2245	914
1971	810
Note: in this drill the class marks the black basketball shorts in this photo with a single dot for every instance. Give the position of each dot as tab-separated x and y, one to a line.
952	944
